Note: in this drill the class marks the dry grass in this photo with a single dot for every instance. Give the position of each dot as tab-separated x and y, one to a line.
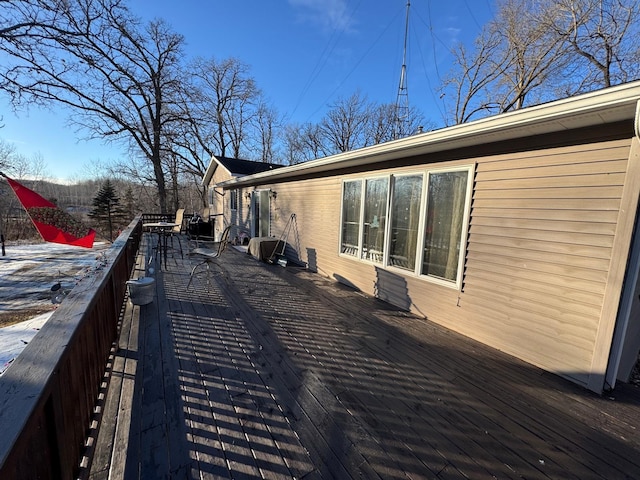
11	318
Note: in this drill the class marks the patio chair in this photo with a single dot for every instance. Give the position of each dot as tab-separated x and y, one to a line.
176	231
179	221
209	256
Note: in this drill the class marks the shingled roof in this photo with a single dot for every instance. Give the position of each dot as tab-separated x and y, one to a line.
236	167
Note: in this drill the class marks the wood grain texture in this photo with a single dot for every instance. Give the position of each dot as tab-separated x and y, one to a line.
282	373
544	224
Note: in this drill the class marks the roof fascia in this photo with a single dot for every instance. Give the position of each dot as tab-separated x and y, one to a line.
595	108
214	163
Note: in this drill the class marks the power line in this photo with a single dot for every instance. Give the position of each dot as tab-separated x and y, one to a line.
354	68
322	61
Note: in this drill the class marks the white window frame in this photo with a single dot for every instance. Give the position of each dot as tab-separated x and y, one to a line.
233	200
360	215
457	284
463	235
422	207
386	226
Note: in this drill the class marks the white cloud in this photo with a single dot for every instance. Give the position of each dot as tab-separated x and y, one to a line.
328	14
453	34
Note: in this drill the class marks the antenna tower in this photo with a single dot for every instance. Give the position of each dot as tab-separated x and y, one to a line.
401	120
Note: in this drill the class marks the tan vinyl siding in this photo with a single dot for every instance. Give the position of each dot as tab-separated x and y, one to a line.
219	203
541	235
316	204
542	239
616	278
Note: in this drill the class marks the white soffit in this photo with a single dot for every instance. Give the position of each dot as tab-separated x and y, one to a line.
596	108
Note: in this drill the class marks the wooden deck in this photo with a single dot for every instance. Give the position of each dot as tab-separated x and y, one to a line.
272	372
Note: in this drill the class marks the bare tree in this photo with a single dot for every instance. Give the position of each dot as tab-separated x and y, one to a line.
514	56
603	38
223	113
7	156
293	150
119	79
266	124
534	55
304	142
536	50
468	87
344	126
381	121
15	164
222	101
352	122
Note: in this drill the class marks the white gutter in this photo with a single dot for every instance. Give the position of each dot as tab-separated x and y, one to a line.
595	108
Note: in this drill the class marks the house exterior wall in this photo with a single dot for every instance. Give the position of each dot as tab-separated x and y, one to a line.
541	249
218	200
548	240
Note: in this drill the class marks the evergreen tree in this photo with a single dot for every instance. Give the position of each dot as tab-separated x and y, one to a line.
129	207
106	208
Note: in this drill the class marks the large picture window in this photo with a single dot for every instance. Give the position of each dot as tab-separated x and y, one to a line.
399	222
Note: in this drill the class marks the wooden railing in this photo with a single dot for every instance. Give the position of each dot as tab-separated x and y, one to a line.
48	395
158	217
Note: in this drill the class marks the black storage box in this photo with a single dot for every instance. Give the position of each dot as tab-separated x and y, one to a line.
201	229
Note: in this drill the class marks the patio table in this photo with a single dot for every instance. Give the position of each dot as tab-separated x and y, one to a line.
163	229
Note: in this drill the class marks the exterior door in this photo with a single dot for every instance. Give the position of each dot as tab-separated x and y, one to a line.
261	213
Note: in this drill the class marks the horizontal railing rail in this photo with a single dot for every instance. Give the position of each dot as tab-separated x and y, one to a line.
48	395
158	217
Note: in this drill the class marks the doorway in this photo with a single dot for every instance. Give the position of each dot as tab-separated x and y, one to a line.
261	213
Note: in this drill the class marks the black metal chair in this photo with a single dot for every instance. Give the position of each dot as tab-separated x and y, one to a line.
209	256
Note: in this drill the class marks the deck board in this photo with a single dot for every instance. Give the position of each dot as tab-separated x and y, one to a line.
259	371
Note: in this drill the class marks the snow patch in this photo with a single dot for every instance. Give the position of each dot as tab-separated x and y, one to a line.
32	277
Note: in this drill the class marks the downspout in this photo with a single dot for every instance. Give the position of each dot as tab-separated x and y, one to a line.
628	292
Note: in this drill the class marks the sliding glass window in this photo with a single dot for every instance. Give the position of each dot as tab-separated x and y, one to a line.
405	220
446	207
397	221
375	219
351	200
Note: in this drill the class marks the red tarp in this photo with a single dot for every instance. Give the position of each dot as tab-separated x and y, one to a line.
53	224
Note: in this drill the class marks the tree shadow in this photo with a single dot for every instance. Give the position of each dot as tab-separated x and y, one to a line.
282	372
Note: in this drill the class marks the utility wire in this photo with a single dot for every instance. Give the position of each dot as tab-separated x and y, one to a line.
323	59
356	65
430	88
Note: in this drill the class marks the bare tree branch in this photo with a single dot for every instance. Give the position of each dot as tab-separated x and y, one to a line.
93	56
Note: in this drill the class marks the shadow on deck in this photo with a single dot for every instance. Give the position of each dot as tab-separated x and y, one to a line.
271	372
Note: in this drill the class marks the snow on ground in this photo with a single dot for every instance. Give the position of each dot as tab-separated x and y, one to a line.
14	338
33	281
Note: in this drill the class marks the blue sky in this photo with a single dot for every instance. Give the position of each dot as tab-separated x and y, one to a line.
304	54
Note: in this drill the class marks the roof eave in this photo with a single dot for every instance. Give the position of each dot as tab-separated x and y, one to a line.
596	108
211	169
